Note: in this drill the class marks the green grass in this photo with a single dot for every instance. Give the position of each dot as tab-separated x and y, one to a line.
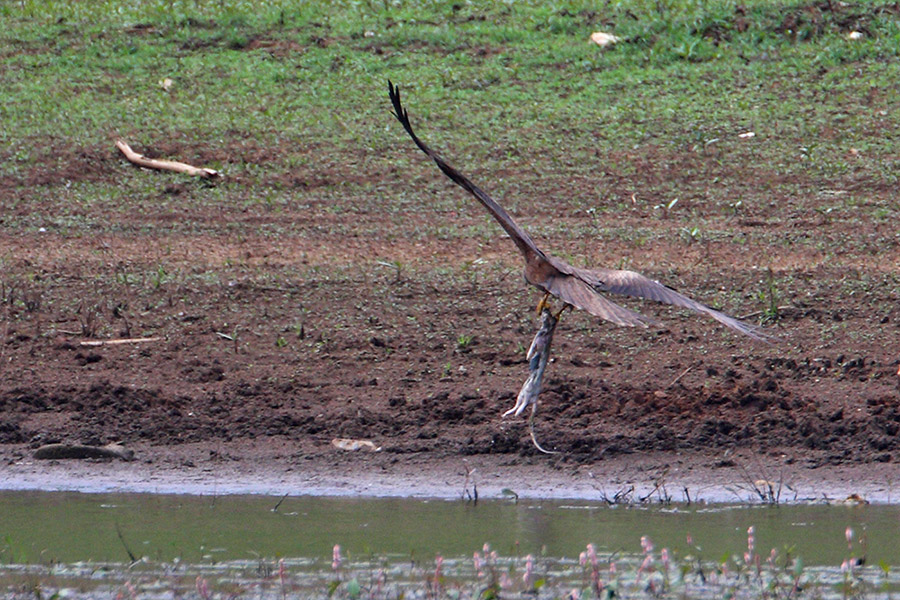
289	99
520	77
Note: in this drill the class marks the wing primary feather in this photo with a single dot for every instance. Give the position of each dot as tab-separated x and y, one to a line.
630	283
521	238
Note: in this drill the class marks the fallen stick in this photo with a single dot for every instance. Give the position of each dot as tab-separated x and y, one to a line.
164	165
762	312
119	341
683	373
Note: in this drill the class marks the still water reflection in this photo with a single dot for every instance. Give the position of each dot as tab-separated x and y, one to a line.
68	527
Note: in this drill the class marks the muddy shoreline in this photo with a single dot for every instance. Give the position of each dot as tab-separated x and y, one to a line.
272	469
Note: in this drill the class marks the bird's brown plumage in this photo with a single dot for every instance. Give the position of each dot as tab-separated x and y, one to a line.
576	286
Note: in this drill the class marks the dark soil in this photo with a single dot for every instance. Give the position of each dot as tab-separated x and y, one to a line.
417	343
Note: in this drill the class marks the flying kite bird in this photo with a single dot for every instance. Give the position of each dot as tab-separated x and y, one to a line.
581	288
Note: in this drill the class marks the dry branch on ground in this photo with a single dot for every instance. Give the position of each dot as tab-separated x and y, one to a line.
164	165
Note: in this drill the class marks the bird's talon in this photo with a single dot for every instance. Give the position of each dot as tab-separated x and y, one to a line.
544	303
559	314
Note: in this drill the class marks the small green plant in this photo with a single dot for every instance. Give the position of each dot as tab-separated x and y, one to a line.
281	342
159	277
12	553
464	341
89	318
353	588
396	265
691	234
470	271
769	297
689	49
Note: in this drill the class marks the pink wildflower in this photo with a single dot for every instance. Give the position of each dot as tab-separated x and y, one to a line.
439	566
647	563
750	554
202	588
379	581
592	555
132	591
529	571
438	573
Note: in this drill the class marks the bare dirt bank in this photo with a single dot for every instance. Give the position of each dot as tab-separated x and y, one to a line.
276	470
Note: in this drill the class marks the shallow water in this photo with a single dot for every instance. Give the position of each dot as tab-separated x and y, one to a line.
44	527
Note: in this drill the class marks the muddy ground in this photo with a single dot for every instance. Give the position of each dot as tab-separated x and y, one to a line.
276	339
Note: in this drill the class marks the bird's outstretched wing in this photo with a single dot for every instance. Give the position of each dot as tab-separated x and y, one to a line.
579	287
577	292
629	283
523	241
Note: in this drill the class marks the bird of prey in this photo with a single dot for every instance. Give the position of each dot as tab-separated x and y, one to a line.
581	288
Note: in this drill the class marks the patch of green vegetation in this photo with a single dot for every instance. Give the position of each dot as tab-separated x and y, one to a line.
287	69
